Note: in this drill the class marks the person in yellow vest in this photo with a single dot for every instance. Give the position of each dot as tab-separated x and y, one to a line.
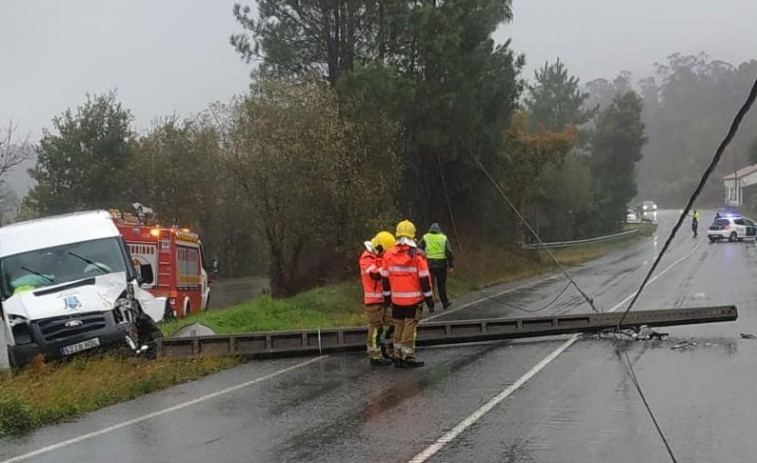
695	222
440	258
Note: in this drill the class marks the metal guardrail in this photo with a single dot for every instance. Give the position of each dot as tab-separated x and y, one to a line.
313	342
567	244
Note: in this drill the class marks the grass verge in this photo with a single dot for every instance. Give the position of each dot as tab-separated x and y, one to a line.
45	393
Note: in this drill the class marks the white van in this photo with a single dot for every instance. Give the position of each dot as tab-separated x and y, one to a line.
67	285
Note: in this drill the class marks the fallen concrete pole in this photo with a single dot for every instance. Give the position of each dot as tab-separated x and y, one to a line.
313	342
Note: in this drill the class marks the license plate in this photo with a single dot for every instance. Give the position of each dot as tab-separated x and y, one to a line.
80	346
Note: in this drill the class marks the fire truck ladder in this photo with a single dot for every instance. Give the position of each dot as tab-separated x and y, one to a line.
315	342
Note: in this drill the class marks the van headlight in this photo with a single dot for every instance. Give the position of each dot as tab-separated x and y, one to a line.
20	329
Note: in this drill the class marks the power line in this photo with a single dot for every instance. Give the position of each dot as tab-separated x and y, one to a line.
710	169
586	297
543	307
636	384
449	203
715	160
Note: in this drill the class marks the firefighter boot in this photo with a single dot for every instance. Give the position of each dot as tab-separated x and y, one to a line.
412	362
380	362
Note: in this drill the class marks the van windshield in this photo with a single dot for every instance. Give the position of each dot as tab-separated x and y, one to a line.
60	264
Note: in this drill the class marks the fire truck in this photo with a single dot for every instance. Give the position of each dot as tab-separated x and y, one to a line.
175	253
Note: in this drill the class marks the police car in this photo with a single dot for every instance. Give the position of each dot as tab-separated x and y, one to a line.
732	228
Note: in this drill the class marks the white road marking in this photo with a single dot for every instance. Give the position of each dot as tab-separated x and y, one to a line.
655	278
158	413
461	427
452	434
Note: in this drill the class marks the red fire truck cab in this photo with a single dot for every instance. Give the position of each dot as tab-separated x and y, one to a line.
177	259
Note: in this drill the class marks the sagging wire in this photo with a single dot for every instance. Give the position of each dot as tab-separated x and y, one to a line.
636	384
449	203
715	160
710	169
586	297
544	307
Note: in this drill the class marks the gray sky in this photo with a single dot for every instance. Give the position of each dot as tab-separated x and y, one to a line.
171	56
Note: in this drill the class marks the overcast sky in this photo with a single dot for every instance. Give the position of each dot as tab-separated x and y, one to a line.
173	56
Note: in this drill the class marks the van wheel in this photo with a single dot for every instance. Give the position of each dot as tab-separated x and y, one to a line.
12	363
733	237
149	333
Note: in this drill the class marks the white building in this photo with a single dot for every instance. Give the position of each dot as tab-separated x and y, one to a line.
736	183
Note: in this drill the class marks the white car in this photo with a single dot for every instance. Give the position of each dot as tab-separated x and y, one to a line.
631	217
732	229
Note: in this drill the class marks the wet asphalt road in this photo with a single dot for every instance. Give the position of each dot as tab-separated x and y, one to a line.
231	291
580	407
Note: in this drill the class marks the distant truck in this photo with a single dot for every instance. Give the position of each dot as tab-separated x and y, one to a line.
67	285
175	253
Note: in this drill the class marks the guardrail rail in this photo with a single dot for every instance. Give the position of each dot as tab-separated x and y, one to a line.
567	244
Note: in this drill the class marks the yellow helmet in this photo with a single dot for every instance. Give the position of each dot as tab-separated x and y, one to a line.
383	241
406	229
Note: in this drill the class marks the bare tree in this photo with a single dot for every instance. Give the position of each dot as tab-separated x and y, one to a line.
13	149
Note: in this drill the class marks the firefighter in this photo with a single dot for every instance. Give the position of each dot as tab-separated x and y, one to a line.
379	321
406	285
440	258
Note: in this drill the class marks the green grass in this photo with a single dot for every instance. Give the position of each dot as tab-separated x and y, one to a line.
325	307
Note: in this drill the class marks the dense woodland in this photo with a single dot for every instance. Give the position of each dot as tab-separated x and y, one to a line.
361	113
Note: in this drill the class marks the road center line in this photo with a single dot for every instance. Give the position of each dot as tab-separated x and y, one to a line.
164	411
461	427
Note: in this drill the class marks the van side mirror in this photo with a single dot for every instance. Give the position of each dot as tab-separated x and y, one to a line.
146	275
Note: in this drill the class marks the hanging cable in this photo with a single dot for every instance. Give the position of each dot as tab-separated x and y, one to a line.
522	309
586	297
636	384
449	203
710	169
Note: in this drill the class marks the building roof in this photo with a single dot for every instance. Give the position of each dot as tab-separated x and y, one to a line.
55	231
741	173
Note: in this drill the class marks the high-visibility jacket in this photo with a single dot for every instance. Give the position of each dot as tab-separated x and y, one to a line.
405	278
370	275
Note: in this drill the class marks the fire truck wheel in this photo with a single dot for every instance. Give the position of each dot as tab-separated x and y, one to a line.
168	312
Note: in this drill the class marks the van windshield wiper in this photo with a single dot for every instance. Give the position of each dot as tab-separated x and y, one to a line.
39	274
98	265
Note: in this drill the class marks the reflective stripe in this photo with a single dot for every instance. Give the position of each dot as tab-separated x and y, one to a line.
397	268
387	293
424	273
373	295
428	293
384	273
408	294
